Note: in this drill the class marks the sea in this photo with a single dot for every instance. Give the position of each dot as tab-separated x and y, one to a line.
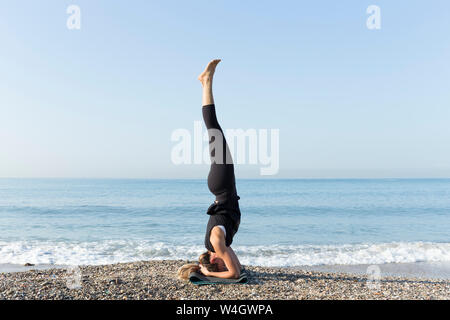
401	226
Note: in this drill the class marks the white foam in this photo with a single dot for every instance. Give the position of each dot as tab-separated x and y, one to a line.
114	251
355	254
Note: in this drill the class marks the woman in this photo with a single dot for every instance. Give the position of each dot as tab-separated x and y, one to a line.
220	260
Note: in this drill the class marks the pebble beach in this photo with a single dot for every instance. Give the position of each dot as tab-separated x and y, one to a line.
157	280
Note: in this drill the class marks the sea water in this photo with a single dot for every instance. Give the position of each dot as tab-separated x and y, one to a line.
304	222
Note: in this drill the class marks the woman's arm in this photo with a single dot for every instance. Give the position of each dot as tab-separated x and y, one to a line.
231	273
235	258
218	242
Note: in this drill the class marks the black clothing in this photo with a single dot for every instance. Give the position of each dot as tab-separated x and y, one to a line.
221	181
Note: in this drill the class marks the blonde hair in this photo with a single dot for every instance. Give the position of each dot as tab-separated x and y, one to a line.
204	259
185	271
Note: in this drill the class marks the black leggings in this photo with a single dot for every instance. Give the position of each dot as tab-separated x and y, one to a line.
221	180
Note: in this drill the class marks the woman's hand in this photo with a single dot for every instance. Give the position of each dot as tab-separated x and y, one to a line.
203	270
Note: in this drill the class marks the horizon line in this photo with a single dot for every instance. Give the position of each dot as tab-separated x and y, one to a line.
262	178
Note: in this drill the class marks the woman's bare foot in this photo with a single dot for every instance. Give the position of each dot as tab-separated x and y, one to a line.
206	76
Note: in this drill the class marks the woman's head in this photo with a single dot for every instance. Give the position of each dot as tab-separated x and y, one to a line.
211	262
207	259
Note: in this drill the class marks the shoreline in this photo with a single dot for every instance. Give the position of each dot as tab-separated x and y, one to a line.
416	270
156	280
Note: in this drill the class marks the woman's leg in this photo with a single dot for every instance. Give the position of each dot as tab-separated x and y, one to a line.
206	78
221	180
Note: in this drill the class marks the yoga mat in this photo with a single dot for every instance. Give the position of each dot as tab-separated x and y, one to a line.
199	279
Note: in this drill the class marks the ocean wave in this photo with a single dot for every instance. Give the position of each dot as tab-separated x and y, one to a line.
115	251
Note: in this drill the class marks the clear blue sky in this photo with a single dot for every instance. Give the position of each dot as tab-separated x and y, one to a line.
103	101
